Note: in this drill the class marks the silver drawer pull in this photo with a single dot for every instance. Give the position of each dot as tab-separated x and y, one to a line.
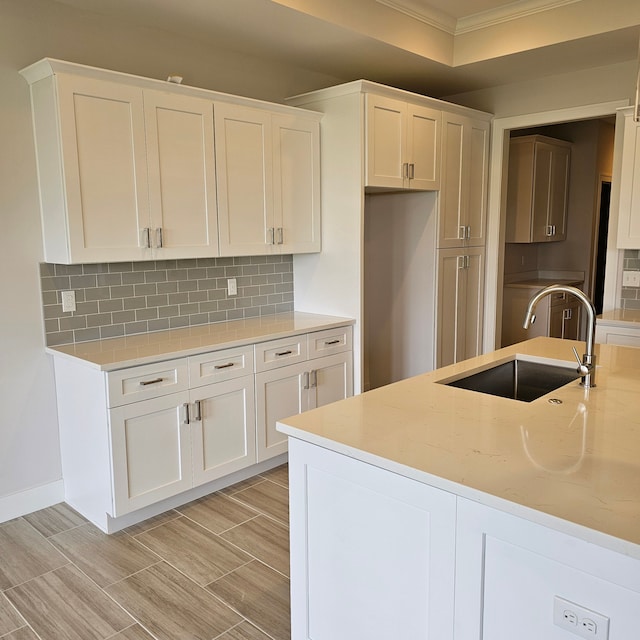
329	342
144	383
224	366
284	353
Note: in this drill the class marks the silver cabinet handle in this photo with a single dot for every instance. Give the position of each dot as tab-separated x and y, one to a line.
147	237
159	239
224	366
330	342
468	232
548	230
280	235
198	416
462	233
305	380
186	420
284	353
461	262
405	170
271	232
411	171
313	378
144	383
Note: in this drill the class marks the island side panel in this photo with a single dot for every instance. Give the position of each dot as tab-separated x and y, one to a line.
372	552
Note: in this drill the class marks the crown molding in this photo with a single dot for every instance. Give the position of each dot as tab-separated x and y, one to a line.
482	20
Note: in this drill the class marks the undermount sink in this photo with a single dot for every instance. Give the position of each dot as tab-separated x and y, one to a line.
517	379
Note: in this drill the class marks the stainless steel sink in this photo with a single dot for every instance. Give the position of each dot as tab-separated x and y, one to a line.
517	379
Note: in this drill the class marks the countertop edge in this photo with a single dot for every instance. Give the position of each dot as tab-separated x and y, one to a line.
530	514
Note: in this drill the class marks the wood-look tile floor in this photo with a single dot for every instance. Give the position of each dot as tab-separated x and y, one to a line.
214	569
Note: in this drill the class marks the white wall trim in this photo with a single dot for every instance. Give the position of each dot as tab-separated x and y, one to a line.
24	502
496	223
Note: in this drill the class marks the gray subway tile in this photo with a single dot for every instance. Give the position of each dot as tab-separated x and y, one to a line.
83	282
84	335
73	322
266	269
224	262
206	262
99	293
198	296
121	267
135	277
47	269
283	287
123	316
188	309
135	327
207	284
209	306
145	289
258	301
109	279
274	278
275	298
50	297
116	304
178	298
235	314
218	316
155	276
217	294
55	283
285	307
53	311
51	326
273	259
232	272
258	259
188	285
165	264
259	280
196	274
55	339
177	322
250	291
85	308
167	287
148	265
135	303
268	310
240	260
112	331
147	314
176	274
267	289
68	269
185	263
170	311
252	312
199	318
215	272
287	297
95	268
224	305
157	301
250	270
99	320
159	325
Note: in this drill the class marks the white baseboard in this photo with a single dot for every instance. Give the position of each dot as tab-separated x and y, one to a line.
24	502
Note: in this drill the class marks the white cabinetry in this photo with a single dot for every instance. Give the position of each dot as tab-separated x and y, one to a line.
372	552
126	169
463	198
135	438
377	555
294	376
403	144
460	304
537	189
268	182
629	210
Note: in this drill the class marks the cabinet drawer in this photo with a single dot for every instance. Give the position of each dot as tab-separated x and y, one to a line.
324	343
220	365
147	381
277	353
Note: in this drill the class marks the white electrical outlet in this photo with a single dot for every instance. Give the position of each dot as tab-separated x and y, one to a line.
580	620
68	301
232	287
631	278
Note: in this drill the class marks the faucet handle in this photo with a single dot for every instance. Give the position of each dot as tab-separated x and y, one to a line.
583	367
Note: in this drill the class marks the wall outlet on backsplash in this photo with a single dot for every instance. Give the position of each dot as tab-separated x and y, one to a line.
631	278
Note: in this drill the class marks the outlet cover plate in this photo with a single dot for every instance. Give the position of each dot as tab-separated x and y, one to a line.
577	619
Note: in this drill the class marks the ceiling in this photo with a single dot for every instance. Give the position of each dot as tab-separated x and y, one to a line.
438	47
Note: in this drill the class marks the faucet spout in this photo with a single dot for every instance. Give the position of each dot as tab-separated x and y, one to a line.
587	367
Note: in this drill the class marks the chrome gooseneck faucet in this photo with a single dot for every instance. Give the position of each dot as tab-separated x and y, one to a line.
586	366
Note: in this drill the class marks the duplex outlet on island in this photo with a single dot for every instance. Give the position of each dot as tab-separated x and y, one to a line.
579	620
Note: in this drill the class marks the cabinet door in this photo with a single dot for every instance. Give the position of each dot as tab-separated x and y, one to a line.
330	379
571	322
372	552
296	183
478	172
223	428
182	189
423	147
280	393
460	304
463	194
385	123
244	180
559	192
629	217
151	452
104	168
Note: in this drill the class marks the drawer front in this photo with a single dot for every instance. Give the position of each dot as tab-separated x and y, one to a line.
278	353
324	343
218	366
147	381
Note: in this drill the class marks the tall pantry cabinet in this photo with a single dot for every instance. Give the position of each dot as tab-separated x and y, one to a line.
370	169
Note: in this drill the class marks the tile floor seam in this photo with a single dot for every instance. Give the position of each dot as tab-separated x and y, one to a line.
135	535
15	586
219	533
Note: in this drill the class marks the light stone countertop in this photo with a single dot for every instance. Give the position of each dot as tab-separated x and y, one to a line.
117	353
574	467
621	317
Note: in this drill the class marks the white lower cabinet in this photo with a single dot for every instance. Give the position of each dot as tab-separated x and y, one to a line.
133	437
377	555
372	552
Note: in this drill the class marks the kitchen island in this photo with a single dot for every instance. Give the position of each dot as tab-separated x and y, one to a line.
421	510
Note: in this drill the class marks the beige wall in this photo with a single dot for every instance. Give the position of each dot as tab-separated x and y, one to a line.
30	30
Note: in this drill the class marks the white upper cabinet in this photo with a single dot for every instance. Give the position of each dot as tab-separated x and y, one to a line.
92	169
465	170
181	170
537	189
268	181
629	211
127	169
403	144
